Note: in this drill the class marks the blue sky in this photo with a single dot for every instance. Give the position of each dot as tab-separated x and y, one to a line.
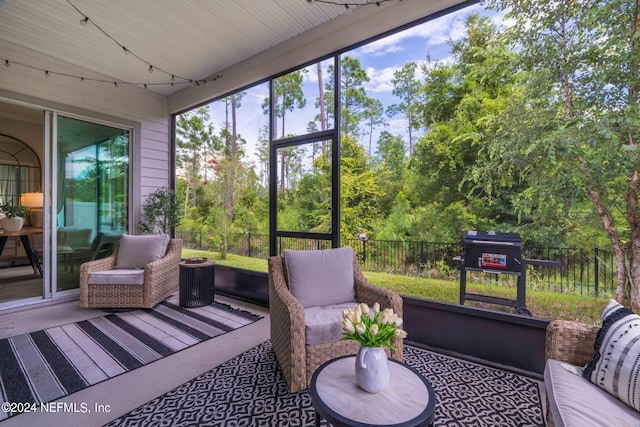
379	59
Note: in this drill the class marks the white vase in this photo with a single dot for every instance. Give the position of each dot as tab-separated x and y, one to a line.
12	224
372	369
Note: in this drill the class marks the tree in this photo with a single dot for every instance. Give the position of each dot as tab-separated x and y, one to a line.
459	97
194	142
231	143
574	133
373	113
359	190
407	88
391	169
159	212
289	96
353	95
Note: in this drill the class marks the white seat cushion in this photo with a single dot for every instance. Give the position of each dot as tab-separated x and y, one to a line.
122	276
324	324
574	401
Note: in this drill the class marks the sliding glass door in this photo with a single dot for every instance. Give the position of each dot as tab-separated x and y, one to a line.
91	211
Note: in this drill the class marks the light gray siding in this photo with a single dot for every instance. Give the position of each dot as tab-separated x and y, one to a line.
141	109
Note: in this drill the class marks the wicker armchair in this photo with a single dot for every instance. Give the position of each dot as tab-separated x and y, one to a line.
298	359
161	279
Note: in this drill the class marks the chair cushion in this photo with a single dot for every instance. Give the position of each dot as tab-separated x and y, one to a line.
615	366
138	251
117	277
574	401
321	278
324	324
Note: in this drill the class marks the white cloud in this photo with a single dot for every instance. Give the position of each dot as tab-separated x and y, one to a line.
380	80
436	31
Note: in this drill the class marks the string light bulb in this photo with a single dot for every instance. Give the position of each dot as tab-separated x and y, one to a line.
150	68
6	63
46	73
349	6
84	21
126	51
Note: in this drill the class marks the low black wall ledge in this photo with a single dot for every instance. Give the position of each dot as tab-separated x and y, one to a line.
507	341
503	339
247	285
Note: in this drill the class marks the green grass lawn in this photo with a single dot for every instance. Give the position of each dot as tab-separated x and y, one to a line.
543	304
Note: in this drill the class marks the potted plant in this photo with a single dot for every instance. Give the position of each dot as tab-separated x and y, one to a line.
13	219
160	212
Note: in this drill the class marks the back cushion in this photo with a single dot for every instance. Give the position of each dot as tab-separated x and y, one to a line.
319	278
138	251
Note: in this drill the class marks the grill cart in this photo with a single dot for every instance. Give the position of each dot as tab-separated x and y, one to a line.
497	253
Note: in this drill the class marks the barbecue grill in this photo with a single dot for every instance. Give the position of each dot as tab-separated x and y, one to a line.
497	253
493	252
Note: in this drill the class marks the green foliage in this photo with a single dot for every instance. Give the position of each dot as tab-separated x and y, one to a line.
573	133
359	191
159	212
11	211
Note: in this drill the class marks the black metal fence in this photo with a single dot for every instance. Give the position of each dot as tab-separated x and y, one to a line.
585	272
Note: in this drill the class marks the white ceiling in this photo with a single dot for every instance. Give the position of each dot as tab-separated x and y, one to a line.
194	39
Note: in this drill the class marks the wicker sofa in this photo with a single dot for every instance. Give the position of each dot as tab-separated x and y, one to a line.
161	279
298	359
571	399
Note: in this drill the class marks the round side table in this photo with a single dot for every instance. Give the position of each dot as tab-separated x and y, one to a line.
196	284
408	400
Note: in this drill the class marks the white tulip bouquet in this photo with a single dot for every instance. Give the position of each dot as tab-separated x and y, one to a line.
376	331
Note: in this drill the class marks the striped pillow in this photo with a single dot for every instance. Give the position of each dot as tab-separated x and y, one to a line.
615	366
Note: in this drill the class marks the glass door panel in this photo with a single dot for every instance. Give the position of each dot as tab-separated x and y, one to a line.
92	209
304	187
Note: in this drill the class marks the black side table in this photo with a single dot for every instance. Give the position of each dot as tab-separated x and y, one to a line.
196	284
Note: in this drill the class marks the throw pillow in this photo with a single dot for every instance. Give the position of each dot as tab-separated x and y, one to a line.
138	251
615	366
323	277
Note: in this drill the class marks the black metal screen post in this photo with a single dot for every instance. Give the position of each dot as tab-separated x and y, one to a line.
200	239
364	251
596	267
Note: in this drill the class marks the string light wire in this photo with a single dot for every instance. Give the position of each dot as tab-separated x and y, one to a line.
117	83
175	78
350	5
85	19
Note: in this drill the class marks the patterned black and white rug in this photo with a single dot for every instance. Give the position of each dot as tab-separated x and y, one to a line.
41	366
250	390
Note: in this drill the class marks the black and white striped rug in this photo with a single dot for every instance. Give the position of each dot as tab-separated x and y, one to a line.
41	366
250	390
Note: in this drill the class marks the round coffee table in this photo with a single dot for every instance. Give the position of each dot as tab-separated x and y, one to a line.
409	400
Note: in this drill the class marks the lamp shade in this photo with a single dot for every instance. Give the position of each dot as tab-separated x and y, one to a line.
32	200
